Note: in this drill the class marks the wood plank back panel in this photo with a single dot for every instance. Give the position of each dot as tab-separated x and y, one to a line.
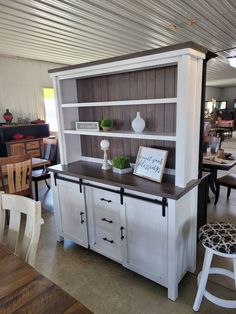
145	84
129	148
128	86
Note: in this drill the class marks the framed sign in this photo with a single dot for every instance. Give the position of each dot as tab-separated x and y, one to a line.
87	126
150	163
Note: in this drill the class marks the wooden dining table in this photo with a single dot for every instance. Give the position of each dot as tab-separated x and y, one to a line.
24	290
213	166
39	162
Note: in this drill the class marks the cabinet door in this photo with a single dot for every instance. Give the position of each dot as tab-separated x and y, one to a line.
145	239
72	212
16	149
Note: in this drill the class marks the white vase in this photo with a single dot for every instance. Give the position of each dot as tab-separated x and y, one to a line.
138	124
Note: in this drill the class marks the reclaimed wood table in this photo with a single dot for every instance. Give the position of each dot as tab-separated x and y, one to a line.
39	162
25	290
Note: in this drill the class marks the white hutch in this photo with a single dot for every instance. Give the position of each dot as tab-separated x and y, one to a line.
148	227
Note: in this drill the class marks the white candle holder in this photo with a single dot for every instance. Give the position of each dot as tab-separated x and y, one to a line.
105	144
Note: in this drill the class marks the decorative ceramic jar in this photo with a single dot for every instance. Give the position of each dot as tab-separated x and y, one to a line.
8	116
138	124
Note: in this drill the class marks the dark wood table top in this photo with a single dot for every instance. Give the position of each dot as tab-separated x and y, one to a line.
24	290
39	162
92	171
211	164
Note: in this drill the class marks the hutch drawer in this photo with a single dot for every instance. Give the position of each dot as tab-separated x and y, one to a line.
34	153
32	145
15	149
25	146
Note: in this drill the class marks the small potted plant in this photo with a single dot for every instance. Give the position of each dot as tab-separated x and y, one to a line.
106	124
121	165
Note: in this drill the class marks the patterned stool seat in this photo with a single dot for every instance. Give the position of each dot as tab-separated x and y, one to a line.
219	236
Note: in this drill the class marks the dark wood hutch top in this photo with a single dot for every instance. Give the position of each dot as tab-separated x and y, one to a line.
92	171
185	45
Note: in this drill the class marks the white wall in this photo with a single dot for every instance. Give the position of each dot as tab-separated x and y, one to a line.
21	81
213	92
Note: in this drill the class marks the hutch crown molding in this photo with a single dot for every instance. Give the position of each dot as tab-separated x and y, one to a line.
148	227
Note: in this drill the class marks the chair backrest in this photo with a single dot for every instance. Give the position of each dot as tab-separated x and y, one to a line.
22	233
50	152
18	172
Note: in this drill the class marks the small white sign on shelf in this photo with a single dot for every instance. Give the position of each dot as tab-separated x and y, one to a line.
150	163
86	126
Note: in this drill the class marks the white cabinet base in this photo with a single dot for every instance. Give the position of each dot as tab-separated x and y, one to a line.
136	233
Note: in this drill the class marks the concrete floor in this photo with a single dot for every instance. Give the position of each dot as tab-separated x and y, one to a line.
106	287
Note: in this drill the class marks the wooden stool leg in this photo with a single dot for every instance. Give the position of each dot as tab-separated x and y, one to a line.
203	279
228	192
217	193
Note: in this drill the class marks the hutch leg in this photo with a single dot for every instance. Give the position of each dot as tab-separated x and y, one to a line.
173	291
172	252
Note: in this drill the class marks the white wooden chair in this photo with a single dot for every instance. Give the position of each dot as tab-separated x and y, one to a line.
21	235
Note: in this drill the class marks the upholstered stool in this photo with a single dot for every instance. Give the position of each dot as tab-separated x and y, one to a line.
218	238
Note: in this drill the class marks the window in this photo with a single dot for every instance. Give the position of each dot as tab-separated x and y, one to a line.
50	108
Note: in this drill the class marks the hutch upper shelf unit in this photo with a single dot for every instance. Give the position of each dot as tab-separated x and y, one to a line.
148	227
163	84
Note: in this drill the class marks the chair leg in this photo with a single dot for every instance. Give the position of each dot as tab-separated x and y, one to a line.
203	279
48	186
36	190
217	193
228	192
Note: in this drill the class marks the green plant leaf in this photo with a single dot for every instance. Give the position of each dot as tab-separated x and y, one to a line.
121	162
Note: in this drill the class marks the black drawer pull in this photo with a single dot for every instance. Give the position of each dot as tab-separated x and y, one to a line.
105	239
81	218
121	233
104	200
110	221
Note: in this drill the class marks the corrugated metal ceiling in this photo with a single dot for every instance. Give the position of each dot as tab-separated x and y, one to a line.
76	31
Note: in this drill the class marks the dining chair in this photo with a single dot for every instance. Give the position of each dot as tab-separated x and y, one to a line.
229	181
16	174
22	233
50	154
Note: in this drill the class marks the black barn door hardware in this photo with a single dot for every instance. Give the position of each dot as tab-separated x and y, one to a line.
122	193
